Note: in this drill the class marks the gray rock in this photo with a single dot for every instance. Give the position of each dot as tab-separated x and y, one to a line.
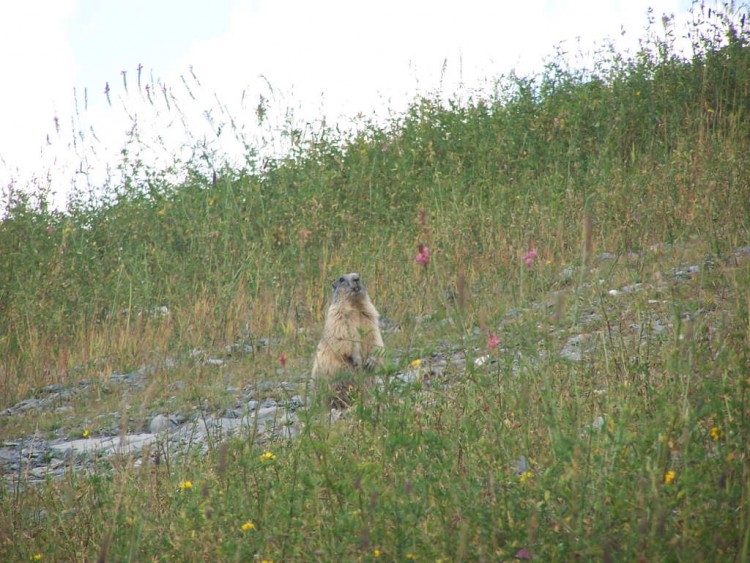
295	403
265	386
27	405
566	274
655	327
632	288
129	443
54	463
159	423
9	455
133	378
40	472
387	325
458	359
523	465
576	346
235	412
177	419
684	274
409	376
691	315
266	415
269	403
481	360
588	317
227	426
437	370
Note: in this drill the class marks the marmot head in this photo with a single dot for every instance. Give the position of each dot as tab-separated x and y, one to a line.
348	286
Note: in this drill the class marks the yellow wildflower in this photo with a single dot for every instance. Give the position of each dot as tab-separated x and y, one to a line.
669	477
162	212
36	557
410	555
376	552
247	526
416	363
716	433
186	485
525	477
85	433
268	456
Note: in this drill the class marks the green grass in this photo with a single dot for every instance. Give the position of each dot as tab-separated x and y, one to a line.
644	158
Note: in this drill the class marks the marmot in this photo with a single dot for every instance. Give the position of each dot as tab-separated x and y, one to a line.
351	336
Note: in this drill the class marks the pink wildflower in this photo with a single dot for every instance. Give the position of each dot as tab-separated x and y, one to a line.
423	257
523	553
282	360
493	340
529	257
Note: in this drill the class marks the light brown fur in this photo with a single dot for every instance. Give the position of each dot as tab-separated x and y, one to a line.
351	338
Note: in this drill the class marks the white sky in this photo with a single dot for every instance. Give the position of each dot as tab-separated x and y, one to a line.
321	57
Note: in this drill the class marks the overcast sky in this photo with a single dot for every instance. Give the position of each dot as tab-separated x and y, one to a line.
333	57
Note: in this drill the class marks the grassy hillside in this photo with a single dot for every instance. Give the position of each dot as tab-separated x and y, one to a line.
643	158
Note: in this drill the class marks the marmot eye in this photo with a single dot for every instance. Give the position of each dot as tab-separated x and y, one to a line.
341	279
